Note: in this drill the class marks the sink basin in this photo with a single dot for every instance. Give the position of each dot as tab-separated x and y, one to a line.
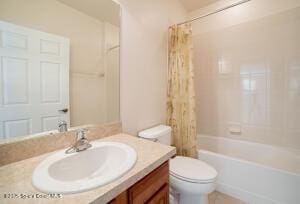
82	171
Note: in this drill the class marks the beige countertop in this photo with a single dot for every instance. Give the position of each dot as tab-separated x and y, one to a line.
15	178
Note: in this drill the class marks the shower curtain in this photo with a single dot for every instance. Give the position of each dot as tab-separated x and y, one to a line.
181	114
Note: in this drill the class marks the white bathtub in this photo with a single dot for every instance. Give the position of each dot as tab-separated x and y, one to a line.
253	172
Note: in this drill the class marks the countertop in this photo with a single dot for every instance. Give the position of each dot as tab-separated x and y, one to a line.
15	178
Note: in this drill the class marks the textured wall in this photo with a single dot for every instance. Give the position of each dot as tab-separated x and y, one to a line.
248	73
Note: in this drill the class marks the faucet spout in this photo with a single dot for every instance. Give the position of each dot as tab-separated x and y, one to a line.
81	144
62	126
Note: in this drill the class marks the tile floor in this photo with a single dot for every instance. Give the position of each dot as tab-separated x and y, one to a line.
220	198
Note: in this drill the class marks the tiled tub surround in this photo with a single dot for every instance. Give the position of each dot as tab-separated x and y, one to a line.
248	75
16	177
31	146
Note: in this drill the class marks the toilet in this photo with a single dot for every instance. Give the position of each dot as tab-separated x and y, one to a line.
191	180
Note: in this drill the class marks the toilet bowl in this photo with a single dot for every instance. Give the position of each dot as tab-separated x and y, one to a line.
191	180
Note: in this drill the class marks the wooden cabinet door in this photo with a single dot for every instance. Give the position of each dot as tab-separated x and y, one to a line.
154	188
120	199
161	197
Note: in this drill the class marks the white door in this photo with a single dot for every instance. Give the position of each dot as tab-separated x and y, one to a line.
34	80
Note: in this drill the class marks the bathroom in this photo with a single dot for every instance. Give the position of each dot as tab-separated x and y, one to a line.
90	109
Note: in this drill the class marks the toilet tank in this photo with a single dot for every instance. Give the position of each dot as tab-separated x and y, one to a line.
160	133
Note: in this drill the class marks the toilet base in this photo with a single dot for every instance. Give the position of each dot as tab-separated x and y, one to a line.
175	198
192	199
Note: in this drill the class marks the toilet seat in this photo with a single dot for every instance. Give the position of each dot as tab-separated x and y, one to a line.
192	170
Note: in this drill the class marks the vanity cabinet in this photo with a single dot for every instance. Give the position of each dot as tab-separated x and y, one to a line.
152	189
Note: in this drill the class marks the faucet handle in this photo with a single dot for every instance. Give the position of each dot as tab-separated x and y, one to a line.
82	133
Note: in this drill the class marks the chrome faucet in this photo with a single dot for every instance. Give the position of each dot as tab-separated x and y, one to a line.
82	143
62	126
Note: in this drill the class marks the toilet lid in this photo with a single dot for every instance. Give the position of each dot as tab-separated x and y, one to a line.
192	170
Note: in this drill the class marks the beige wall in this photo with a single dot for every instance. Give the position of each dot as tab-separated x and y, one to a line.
86	36
144	60
112	72
249	11
247	64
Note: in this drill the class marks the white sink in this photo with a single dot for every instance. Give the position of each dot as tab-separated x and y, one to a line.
82	171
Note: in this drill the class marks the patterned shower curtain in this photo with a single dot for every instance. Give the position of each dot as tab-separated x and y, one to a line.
181	114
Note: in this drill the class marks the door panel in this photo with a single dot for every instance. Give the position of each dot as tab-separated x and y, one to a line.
120	199
14	40
51	48
49	122
16	127
15	80
161	197
50	82
34	79
149	186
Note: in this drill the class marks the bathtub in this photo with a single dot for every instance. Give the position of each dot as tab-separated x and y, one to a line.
253	172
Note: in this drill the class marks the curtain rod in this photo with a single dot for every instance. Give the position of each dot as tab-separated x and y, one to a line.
214	12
